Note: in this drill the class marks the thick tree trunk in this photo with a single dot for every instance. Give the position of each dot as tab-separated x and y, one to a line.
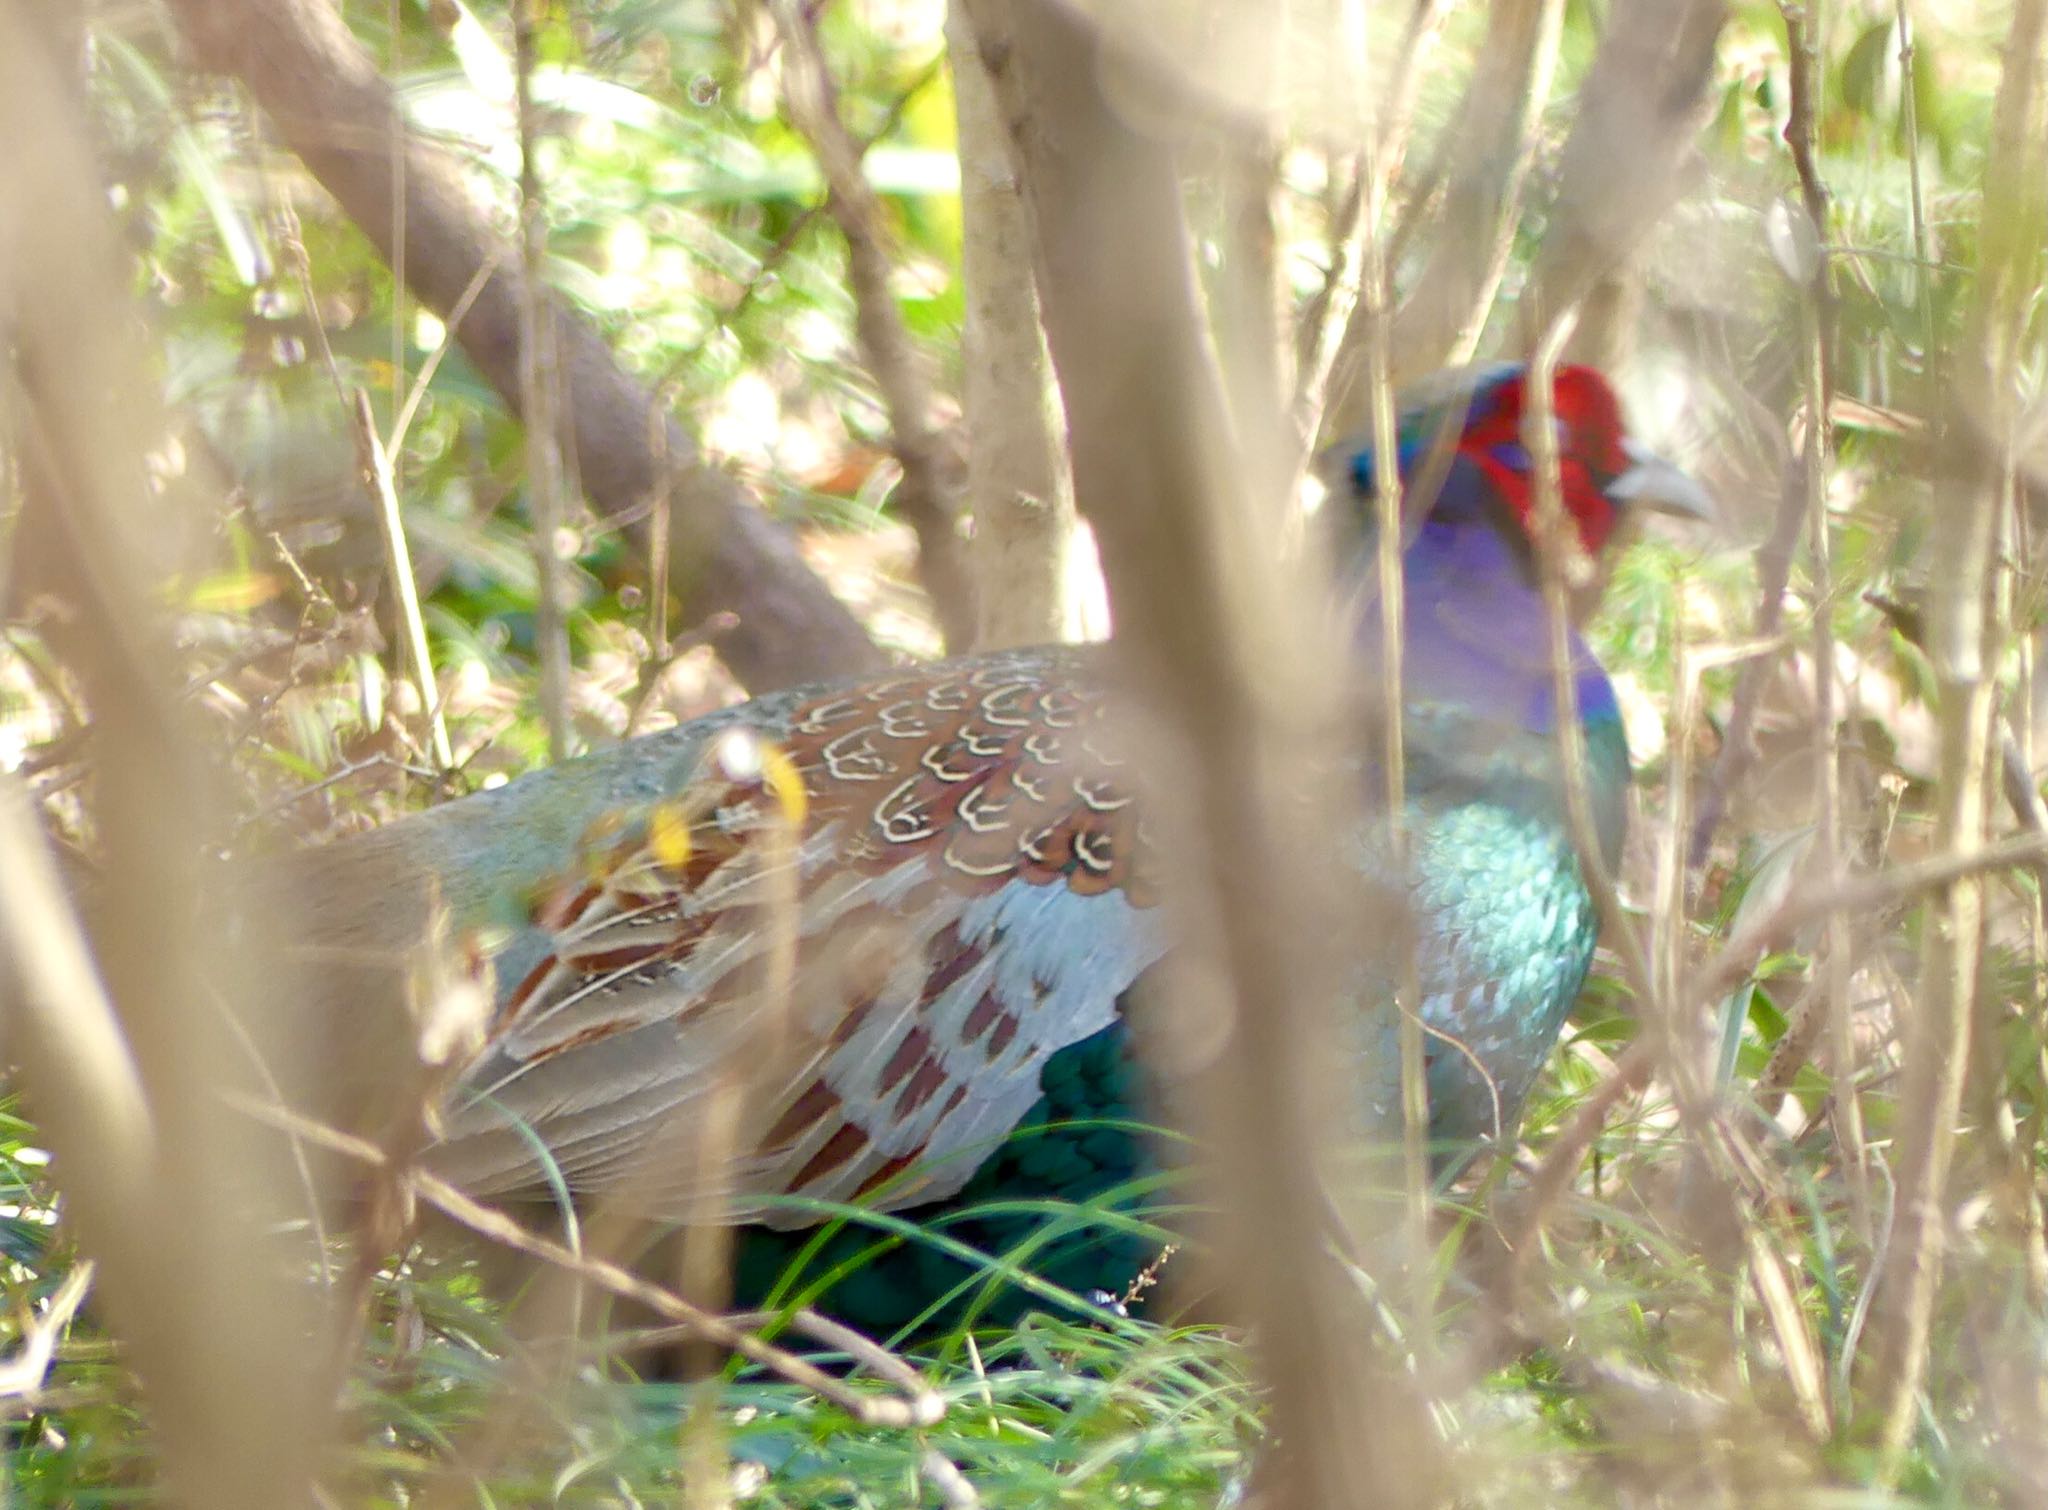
1017	482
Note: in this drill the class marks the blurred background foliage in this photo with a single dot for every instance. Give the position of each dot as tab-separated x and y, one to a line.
686	220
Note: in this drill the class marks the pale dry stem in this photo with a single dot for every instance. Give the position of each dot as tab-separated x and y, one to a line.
375	462
188	1273
1816	318
538	398
1965	641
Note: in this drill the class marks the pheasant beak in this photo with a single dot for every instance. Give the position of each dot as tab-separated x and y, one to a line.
1651	482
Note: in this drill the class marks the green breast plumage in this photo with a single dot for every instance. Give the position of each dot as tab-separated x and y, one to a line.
1506	927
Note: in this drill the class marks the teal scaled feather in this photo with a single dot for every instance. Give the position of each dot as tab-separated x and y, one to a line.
969	1086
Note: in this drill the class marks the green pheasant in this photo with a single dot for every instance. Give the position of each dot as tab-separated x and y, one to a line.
968	895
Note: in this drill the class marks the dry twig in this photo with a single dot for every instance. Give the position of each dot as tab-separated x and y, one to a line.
538	397
376	464
1816	320
1639	107
1487	159
928	495
1331	322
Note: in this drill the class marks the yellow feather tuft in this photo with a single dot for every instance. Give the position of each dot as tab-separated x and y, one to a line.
787	783
668	835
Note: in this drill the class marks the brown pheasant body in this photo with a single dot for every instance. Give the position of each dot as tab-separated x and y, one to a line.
944	847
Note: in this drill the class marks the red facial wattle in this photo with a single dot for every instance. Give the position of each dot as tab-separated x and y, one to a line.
1590	453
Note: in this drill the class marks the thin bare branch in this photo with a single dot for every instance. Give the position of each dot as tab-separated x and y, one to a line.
1623	163
1872	893
1249	295
538	395
1390	540
1442	313
1331	323
928	496
375	462
1561	1162
1445	309
1738	742
1564	569
1816	330
919	1407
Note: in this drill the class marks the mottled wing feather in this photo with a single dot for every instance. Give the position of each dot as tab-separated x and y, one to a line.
972	895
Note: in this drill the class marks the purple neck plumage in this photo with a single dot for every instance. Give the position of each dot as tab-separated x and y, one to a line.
1477	630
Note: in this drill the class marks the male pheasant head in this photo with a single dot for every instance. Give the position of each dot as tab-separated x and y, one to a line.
1461	433
1476	627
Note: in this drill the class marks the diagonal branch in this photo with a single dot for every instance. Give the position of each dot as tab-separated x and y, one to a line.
1444	310
929	494
330	104
1334	327
917	1404
1441	315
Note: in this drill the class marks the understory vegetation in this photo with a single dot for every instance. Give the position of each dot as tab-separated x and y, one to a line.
1773	1232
